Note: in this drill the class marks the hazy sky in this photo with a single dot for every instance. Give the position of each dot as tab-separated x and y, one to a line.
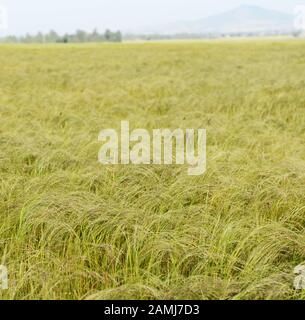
69	15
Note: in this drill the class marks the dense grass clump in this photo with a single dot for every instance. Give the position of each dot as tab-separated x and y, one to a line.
73	229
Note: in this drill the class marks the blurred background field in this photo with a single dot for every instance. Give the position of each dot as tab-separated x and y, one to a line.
73	229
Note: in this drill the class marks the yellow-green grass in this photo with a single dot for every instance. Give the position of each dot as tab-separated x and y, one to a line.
71	228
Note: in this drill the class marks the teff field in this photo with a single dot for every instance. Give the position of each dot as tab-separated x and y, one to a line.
71	228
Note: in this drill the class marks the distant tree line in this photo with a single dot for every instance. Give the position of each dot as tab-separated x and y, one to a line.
211	35
78	37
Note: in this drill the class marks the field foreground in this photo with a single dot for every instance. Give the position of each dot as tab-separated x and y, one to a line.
73	229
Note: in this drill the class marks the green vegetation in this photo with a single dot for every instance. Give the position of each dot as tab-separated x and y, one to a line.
73	229
80	36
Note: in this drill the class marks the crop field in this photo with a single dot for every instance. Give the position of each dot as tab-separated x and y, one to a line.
71	228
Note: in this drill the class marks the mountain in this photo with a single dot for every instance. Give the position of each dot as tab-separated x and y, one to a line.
241	19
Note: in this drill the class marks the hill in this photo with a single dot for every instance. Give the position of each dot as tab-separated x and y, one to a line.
241	19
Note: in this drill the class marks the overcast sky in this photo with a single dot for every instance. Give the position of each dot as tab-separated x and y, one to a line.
69	15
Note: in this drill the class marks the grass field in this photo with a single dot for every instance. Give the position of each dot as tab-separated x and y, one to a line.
71	228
